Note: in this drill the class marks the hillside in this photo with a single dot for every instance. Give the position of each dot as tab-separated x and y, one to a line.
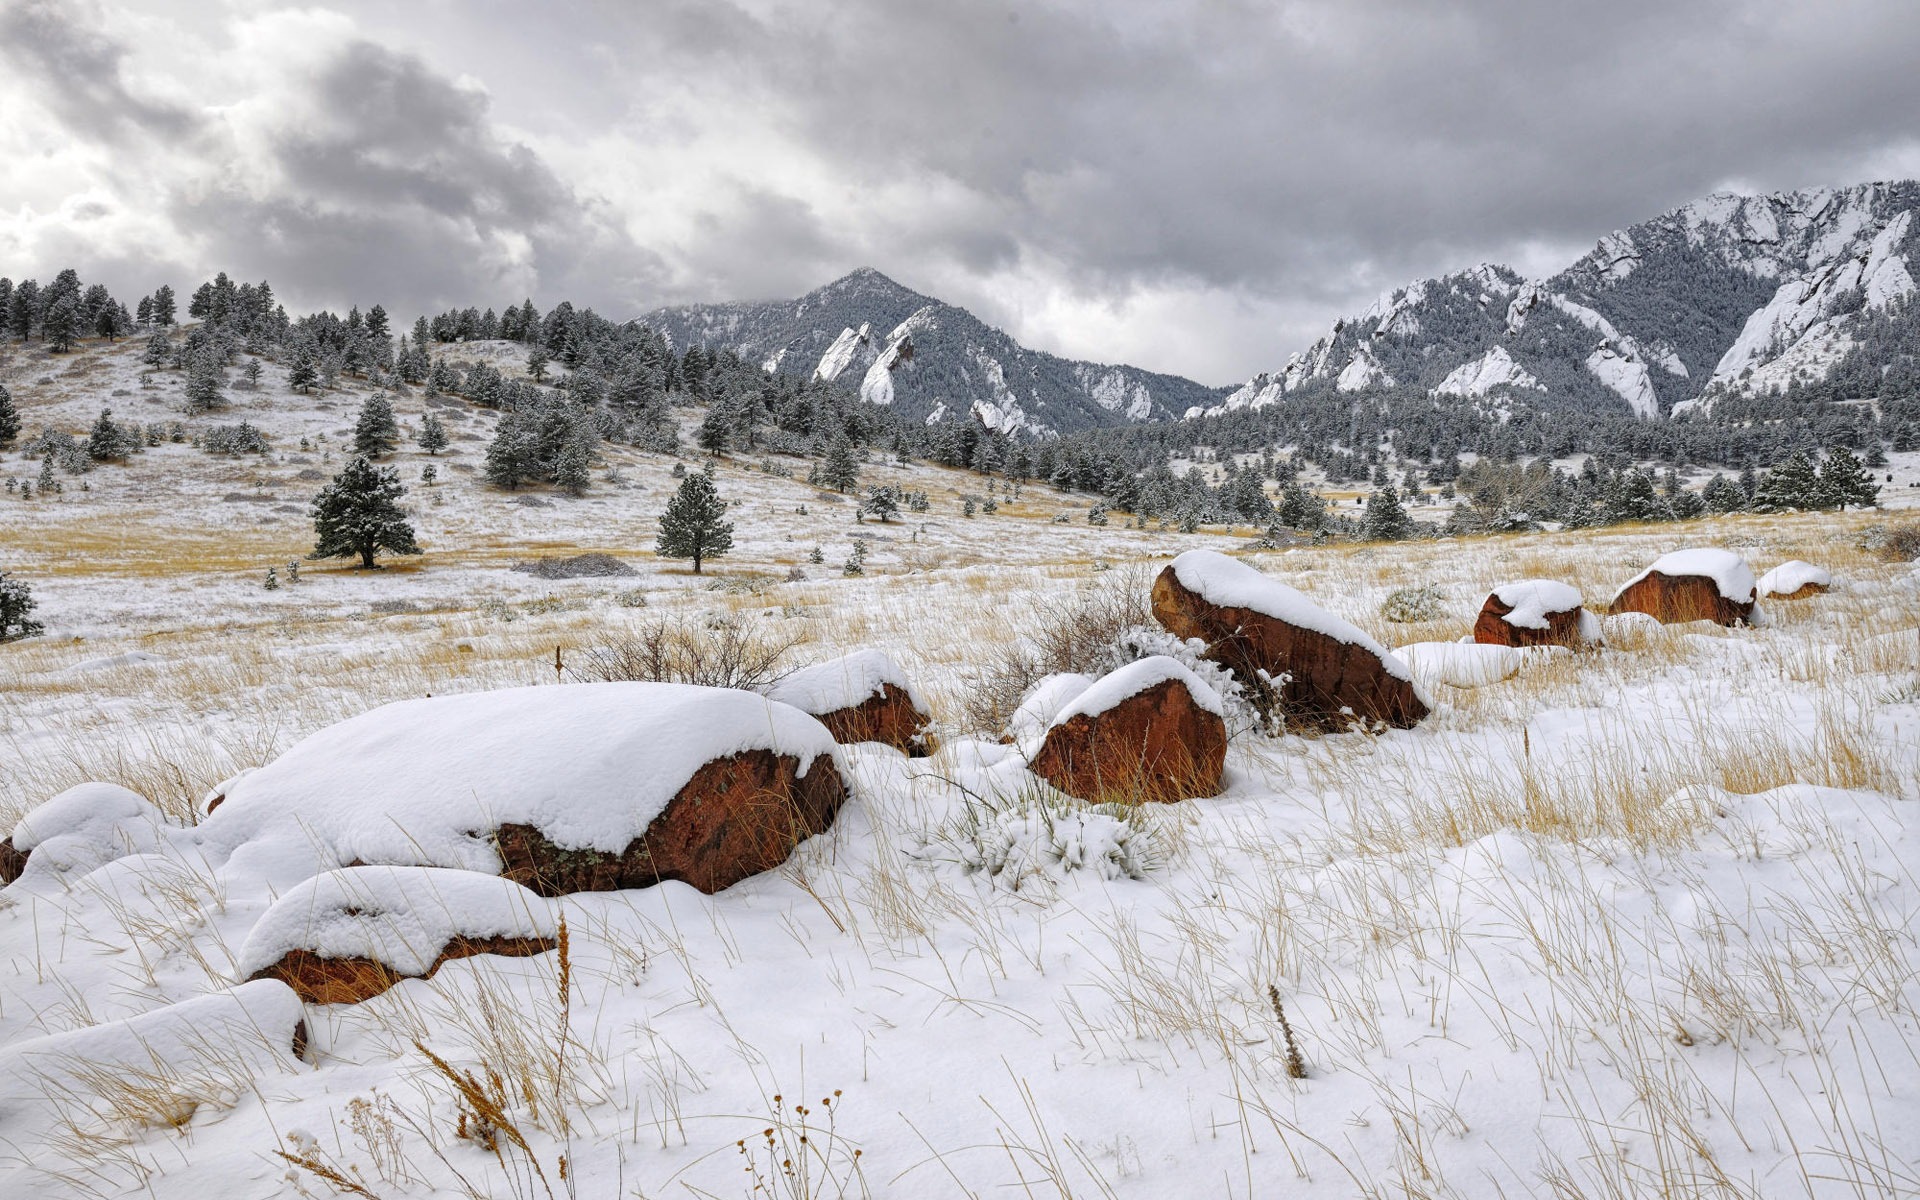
928	359
1727	296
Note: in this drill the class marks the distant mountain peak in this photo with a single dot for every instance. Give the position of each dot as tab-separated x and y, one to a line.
1729	294
932	360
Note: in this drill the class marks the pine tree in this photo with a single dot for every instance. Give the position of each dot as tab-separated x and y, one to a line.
573	466
272	583
304	372
358	513
856	563
882	503
1844	482
108	442
61	326
1722	495
163	306
16	601
692	526
204	381
1301	509
433	435
716	429
9	419
1631	497
375	434
1386	520
839	471
1792	484
252	374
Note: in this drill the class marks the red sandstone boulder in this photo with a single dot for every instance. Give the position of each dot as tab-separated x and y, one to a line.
1691	585
1262	630
1150	731
737	816
12	862
580	787
863	697
1535	612
349	935
1794	580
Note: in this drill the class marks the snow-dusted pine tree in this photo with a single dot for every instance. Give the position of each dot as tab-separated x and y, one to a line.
16	601
375	434
433	435
358	513
692	526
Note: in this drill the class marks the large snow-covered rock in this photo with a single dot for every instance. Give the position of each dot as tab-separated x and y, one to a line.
157	1068
348	935
1150	731
1691	585
1795	580
583	787
1535	612
1322	670
78	830
1462	664
862	697
1041	705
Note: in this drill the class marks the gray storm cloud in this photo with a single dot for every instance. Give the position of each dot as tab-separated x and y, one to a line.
1194	187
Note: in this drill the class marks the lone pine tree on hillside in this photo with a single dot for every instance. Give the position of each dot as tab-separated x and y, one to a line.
433	435
16	601
375	434
691	527
9	419
358	514
1386	520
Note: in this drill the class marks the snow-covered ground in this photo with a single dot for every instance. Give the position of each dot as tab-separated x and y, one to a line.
1639	921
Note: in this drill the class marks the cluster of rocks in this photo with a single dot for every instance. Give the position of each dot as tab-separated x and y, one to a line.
1151	731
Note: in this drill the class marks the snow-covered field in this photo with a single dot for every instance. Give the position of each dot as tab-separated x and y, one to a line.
1640	921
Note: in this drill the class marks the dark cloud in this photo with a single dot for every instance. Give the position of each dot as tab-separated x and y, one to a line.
77	71
1056	166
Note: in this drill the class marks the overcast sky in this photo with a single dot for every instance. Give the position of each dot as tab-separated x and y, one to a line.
1192	187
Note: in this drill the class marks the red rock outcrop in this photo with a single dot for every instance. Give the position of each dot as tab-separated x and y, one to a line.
1562	629
12	861
320	980
737	816
1158	744
1331	682
889	717
1676	599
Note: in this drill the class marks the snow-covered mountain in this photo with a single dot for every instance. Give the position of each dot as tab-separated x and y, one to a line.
1725	296
929	359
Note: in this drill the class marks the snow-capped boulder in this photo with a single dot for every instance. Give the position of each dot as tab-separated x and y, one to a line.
207	1051
587	787
1043	702
349	935
82	828
1325	671
1691	585
863	697
1535	612
1795	580
1462	664
1151	730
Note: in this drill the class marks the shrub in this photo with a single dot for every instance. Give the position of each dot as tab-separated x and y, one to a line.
1406	605
1073	632
233	440
728	651
1894	543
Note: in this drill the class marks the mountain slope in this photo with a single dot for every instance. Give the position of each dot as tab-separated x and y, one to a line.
1730	295
930	360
